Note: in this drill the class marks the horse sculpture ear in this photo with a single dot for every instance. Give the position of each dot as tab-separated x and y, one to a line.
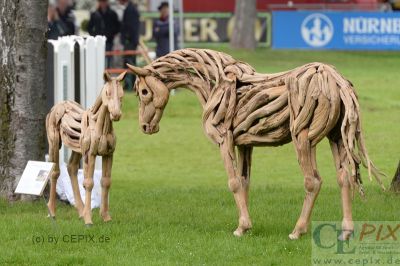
138	70
121	77
106	76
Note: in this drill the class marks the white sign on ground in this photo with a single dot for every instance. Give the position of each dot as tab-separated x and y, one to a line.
34	178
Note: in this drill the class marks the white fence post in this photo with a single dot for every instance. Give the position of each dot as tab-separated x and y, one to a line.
90	72
100	44
63	77
82	81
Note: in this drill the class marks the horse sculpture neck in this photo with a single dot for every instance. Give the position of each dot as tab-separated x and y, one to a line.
100	115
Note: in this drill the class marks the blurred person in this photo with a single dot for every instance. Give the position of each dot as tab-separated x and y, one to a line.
130	28
161	31
104	21
66	18
55	29
385	6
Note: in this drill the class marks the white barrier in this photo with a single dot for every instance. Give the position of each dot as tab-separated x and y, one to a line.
95	65
76	67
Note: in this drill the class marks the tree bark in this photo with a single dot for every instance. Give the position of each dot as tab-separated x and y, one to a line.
243	35
395	186
23	49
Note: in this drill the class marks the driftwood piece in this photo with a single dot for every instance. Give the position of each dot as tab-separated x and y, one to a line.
395	185
243	108
88	133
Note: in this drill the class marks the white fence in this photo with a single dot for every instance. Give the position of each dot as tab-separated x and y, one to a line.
75	72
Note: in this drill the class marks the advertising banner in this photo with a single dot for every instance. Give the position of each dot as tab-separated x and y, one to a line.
208	28
335	30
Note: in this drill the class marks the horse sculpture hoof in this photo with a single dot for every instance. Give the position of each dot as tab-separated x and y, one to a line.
238	233
89	225
345	235
294	236
106	218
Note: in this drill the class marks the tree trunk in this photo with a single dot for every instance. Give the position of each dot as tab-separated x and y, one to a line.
243	35
395	186
23	27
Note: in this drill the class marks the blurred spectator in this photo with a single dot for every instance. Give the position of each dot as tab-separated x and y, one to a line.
395	5
161	31
73	4
130	35
66	19
104	21
385	6
55	28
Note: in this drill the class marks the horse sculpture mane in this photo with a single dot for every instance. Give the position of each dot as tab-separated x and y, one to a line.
243	108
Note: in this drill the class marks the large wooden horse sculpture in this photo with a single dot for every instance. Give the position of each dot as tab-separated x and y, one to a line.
87	133
243	108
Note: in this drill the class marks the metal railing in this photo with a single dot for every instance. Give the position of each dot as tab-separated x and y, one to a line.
142	50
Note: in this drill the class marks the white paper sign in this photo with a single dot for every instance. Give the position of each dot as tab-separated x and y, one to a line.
34	178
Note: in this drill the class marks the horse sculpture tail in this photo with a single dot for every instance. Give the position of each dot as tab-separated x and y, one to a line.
351	132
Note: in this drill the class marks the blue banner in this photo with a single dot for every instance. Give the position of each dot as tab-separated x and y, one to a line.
335	30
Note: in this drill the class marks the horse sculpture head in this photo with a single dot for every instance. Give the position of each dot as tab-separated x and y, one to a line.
112	94
153	97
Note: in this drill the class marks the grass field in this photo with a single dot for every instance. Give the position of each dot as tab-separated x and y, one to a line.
170	202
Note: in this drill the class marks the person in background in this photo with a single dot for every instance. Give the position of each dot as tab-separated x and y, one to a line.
66	18
104	21
130	28
161	31
55	29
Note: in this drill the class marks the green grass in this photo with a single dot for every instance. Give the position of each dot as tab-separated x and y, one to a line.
169	199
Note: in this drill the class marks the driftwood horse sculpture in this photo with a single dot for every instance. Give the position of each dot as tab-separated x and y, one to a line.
243	108
87	133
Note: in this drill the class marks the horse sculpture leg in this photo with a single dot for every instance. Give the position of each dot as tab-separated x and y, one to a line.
54	157
312	182
105	186
238	182
339	154
73	167
88	184
244	166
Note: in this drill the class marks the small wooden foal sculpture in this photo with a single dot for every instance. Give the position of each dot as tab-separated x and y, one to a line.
243	108
88	133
